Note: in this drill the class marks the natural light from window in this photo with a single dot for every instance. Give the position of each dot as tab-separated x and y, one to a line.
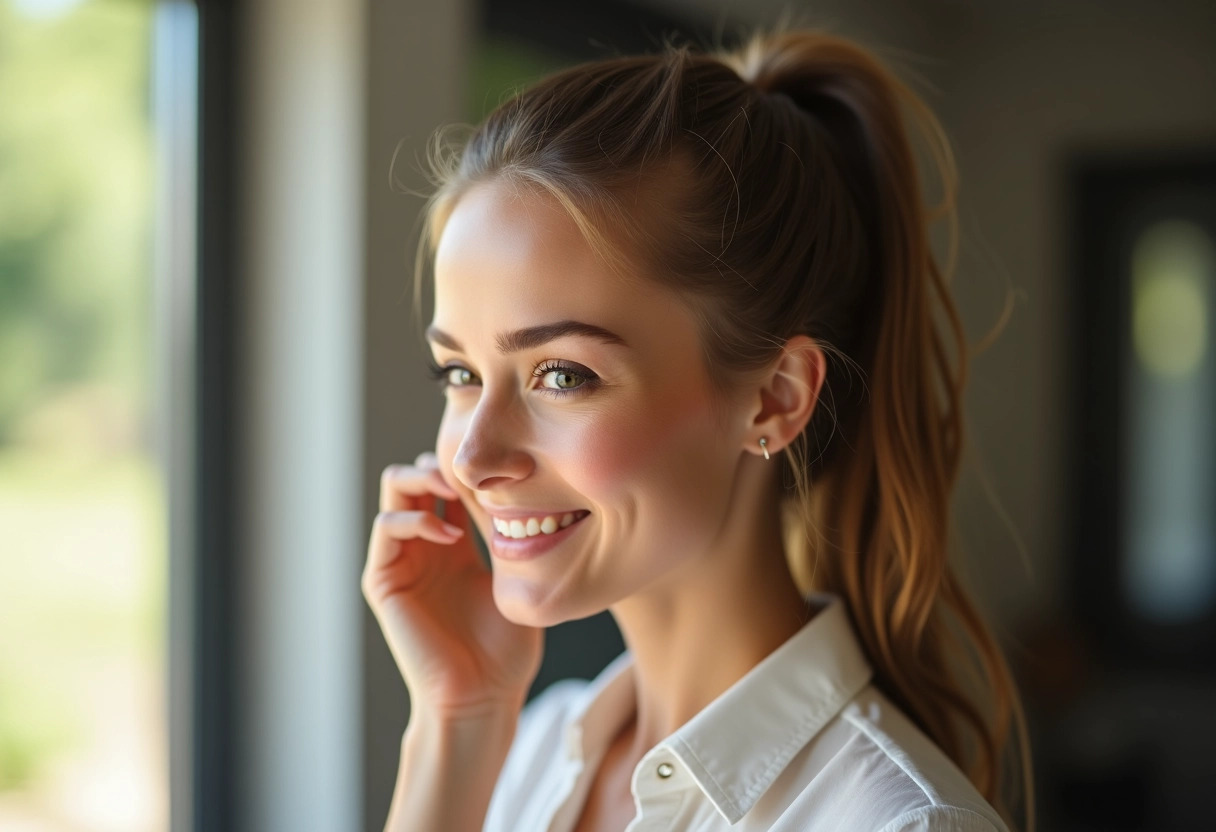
83	741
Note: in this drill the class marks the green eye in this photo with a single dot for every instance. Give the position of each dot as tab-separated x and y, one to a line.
443	375
567	378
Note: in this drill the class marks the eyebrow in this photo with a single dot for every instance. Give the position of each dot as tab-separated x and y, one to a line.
533	336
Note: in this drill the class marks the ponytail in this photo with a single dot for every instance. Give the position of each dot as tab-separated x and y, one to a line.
879	516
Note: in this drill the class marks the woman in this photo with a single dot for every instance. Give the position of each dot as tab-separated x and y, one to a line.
684	327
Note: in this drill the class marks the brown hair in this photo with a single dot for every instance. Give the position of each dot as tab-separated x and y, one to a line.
775	185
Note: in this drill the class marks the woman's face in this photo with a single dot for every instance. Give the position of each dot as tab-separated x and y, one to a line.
621	430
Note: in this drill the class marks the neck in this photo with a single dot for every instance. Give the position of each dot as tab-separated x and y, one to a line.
700	632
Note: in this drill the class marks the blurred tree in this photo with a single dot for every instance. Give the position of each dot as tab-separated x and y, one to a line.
75	253
75	185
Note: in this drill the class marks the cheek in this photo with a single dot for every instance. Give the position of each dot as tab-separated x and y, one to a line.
662	474
660	444
447	441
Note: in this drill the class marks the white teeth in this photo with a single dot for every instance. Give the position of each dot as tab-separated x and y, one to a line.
532	526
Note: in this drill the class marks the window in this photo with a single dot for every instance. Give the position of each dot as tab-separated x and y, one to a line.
96	235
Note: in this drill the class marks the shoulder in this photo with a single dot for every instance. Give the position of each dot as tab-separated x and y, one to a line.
881	772
942	819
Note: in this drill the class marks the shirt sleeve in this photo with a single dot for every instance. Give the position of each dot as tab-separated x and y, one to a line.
942	818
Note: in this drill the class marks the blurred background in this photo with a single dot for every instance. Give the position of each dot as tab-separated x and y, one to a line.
208	354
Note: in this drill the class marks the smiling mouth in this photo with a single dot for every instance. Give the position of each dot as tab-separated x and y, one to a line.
538	529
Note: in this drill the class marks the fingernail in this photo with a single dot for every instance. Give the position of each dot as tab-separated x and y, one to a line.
453	529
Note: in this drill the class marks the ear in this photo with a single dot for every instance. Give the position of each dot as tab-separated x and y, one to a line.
788	395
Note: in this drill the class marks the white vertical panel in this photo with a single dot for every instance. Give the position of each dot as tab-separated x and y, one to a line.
300	398
175	119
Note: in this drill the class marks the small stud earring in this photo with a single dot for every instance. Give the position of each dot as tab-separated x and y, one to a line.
764	446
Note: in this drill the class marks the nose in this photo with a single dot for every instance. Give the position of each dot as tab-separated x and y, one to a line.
490	448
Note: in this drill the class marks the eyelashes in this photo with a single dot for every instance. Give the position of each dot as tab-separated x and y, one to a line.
443	375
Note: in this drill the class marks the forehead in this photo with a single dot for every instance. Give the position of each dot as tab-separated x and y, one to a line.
503	236
511	256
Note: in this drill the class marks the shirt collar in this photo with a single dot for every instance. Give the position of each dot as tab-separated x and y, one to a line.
739	744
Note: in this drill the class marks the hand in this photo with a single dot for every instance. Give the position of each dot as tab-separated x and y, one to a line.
434	600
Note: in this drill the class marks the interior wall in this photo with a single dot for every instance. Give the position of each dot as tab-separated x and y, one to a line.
901	27
1024	85
416	56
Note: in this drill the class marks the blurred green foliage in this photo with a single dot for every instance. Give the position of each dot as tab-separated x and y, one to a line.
78	544
75	201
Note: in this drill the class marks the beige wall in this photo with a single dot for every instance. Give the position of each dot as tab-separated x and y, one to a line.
416	58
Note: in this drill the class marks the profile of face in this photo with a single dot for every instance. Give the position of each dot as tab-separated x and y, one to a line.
623	431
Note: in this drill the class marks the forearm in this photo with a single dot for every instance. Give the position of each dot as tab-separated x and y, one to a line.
449	766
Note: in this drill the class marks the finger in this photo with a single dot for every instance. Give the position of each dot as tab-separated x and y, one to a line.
402	489
406	487
403	474
410	524
392	528
429	461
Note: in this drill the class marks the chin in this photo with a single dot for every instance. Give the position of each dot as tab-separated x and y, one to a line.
530	618
518	610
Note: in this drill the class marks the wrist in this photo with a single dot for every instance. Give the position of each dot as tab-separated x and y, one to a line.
483	713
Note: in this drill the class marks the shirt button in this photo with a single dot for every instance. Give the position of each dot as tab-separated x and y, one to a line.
665	770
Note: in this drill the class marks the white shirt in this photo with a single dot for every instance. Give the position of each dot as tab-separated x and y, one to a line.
802	743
